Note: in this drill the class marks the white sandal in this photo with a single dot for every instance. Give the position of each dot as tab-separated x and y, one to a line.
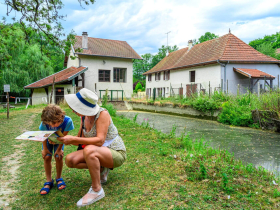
91	197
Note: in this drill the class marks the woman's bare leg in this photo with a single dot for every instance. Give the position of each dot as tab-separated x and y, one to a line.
76	160
95	157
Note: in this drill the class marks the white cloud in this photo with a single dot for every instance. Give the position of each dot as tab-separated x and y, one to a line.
144	24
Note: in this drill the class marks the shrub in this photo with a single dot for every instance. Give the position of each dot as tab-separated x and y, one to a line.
110	108
205	104
138	87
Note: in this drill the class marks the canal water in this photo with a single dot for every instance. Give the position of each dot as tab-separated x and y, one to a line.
261	148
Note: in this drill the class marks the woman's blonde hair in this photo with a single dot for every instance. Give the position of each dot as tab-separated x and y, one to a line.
52	114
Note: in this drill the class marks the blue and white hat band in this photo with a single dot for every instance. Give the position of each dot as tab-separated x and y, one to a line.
85	102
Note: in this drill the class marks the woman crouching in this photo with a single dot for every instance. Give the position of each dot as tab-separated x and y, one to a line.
100	146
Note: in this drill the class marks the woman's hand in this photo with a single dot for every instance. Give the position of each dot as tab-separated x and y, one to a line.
66	139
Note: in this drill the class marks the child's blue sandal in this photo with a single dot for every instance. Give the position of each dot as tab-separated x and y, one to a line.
60	184
47	189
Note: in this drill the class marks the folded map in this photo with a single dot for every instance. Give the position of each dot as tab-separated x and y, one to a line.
41	136
35	135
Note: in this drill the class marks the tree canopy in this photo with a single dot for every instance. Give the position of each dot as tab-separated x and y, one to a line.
207	36
149	61
267	45
41	15
26	60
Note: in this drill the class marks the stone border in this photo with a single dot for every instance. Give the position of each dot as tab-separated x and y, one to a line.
174	109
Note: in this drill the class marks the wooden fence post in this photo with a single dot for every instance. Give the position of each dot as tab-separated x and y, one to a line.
52	90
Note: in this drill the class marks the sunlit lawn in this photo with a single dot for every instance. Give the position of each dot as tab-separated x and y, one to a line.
161	172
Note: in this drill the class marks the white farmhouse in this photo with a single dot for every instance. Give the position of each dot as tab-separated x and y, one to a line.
93	63
225	63
109	62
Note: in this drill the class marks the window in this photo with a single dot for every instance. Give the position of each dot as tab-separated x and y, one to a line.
104	75
157	76
166	75
149	77
119	75
192	76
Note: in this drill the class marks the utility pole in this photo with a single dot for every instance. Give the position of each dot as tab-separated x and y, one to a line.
167	41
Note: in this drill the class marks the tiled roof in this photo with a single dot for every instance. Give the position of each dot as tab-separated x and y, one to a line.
223	49
253	73
64	75
106	47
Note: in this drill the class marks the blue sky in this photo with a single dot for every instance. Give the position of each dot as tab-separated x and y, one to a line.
144	24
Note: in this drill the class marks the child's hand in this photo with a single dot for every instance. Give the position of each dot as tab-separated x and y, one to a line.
66	139
51	142
60	154
45	152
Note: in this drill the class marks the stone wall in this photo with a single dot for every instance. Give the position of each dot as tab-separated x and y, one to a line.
171	109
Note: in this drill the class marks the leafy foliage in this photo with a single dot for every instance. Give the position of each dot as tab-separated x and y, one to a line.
267	45
207	36
27	56
138	87
149	61
42	15
205	104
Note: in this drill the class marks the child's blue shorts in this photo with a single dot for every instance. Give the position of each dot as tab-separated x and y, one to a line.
52	148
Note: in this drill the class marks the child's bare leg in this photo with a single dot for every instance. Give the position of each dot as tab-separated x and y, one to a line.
48	171
59	166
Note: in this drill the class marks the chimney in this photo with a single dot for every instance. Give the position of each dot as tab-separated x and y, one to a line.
190	44
85	40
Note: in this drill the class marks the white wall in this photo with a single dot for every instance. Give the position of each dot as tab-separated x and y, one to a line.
71	62
181	77
95	64
39	95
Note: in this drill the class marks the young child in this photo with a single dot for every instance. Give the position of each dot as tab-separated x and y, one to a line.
53	119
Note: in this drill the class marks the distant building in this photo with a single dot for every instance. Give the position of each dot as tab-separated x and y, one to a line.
224	63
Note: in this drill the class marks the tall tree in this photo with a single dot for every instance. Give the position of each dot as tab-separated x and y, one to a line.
41	15
149	61
207	36
23	62
141	66
267	45
162	52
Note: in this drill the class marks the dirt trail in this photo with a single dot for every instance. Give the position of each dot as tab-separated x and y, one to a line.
10	167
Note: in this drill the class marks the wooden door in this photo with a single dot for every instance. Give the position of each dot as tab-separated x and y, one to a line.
191	89
59	95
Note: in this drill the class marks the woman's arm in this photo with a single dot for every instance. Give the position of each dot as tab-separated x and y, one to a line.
102	125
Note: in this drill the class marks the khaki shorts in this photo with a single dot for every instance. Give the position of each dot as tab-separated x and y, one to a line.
119	156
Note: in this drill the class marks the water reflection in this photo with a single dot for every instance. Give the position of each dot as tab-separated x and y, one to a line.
261	148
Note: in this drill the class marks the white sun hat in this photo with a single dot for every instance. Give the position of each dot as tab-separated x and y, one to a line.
84	102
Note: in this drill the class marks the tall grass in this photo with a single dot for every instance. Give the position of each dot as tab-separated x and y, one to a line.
235	109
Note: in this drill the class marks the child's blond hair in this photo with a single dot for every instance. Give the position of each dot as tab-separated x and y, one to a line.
52	114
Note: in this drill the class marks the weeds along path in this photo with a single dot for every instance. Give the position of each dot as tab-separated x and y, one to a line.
11	152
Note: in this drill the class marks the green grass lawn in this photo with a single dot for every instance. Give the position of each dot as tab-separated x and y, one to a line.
161	172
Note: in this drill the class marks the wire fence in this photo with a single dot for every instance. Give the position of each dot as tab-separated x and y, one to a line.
233	87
